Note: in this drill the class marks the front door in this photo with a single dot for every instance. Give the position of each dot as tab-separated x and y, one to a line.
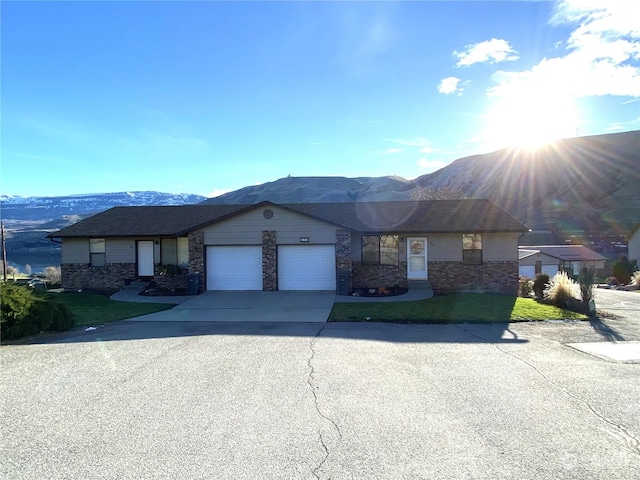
417	258
145	258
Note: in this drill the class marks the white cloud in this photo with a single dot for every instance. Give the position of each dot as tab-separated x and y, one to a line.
392	151
430	165
603	54
217	192
428	150
415	142
491	51
449	85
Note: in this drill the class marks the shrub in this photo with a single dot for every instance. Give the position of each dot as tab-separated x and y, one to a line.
635	279
525	288
52	275
623	269
26	311
585	280
612	281
560	290
539	284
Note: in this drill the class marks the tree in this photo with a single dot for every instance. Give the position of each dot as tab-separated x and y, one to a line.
27	269
623	269
52	275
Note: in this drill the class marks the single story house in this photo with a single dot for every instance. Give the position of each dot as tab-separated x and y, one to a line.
551	259
634	244
456	245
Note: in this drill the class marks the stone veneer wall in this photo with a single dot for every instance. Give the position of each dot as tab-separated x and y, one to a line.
269	261
494	277
76	276
196	257
374	276
343	257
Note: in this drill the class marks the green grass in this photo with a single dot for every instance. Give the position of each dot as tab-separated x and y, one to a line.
455	308
94	309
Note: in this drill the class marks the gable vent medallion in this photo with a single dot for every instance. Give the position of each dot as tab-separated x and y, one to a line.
268	214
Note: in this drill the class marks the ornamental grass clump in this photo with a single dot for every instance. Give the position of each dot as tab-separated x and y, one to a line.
585	280
635	279
560	290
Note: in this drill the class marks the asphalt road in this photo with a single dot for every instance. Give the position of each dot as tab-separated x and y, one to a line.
139	400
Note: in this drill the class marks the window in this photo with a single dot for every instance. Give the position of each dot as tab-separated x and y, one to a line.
97	249
380	249
174	251
472	248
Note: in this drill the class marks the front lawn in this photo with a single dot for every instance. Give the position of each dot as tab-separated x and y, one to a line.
455	308
94	309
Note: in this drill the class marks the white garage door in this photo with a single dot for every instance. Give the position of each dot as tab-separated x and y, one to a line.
307	267
528	271
234	268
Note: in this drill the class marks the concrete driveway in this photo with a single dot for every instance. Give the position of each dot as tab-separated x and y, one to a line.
250	306
304	401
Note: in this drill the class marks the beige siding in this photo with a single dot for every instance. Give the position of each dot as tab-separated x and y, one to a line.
75	250
247	228
545	259
445	247
120	250
500	247
634	246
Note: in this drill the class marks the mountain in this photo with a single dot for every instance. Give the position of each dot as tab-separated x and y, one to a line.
320	190
585	183
584	189
28	220
49	208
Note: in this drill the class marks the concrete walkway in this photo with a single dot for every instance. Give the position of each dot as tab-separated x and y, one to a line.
251	306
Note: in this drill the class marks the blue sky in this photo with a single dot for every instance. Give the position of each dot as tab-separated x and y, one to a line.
208	97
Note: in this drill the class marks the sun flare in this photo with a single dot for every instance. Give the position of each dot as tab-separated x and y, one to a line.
530	121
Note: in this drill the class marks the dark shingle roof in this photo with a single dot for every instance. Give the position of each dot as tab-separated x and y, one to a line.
415	216
409	217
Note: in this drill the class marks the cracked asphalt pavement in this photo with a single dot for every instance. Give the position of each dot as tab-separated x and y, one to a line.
140	400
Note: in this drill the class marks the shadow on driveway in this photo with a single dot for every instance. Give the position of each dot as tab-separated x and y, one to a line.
368	331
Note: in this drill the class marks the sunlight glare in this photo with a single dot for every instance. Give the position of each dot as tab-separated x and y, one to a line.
530	121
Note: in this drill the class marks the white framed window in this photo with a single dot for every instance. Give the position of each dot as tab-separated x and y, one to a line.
380	249
97	252
472	249
174	251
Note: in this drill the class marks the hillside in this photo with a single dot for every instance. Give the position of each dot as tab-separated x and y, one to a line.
28	220
584	189
41	209
585	183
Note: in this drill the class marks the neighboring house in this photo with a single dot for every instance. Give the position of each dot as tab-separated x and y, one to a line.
551	259
634	244
454	244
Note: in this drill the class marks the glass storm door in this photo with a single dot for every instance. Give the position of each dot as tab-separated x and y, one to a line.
145	258
417	258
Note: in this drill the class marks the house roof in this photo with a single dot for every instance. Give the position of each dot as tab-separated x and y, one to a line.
522	253
568	253
439	216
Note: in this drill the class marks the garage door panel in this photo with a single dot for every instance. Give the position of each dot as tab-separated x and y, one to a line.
306	267
234	268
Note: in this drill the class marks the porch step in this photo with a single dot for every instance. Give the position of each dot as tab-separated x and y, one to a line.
419	285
